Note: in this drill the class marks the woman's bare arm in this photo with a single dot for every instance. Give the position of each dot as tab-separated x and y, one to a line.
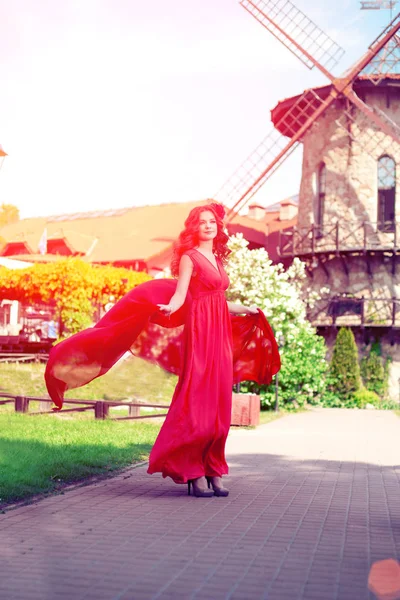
177	300
239	309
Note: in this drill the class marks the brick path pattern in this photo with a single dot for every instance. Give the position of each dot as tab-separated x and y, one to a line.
314	502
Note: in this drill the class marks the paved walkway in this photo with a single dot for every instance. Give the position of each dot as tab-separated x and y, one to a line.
314	503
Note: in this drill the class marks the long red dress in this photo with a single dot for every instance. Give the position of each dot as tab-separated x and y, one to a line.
191	442
206	346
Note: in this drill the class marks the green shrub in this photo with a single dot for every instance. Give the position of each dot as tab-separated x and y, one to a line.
389	405
281	295
344	369
362	397
375	371
331	398
302	376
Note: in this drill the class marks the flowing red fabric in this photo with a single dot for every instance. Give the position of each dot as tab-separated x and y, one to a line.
202	343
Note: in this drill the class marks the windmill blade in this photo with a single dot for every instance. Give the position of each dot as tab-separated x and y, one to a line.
275	148
273	151
344	85
384	45
297	32
309	43
372	140
386	61
376	116
387	58
251	175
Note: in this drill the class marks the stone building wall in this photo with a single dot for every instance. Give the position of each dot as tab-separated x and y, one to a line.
351	166
358	281
351	200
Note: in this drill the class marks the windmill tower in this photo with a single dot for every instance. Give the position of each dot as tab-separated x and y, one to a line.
348	231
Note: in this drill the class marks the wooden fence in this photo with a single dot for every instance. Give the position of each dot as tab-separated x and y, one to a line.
100	408
17	357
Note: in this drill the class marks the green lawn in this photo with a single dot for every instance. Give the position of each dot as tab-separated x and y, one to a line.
40	454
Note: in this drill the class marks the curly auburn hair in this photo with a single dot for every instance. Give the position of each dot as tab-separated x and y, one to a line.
189	237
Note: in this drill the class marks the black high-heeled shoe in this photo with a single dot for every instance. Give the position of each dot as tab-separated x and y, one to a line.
199	493
218	491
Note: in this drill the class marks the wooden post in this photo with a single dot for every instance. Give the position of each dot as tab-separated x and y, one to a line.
21	404
106	410
362	311
98	410
277	392
365	237
134	411
337	237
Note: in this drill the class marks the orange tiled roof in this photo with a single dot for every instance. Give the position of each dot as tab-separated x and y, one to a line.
143	233
136	233
271	220
278	225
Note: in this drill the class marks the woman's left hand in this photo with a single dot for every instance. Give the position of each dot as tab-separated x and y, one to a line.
252	310
166	309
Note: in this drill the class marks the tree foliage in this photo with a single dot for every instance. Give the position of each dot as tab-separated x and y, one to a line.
344	368
256	280
72	286
302	376
363	398
374	371
8	214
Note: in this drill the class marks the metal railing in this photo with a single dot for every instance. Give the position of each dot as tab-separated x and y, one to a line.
340	237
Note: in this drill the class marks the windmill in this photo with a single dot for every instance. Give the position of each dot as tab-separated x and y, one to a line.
313	48
348	227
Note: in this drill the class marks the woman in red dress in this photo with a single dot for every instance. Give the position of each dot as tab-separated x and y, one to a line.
220	343
190	446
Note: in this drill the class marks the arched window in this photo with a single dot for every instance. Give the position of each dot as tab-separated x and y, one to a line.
386	193
320	200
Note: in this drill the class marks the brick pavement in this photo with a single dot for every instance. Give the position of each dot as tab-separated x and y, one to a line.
314	503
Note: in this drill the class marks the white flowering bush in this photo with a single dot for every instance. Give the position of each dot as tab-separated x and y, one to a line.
281	296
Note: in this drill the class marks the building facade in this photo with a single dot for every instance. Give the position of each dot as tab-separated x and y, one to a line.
348	229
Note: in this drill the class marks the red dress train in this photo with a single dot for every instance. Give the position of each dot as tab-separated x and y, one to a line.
206	346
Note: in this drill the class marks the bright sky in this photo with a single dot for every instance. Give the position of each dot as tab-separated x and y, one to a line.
113	103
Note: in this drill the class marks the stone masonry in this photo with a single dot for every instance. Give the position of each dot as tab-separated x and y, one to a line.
350	146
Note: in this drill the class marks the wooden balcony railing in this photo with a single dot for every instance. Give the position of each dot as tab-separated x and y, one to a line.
355	312
342	236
